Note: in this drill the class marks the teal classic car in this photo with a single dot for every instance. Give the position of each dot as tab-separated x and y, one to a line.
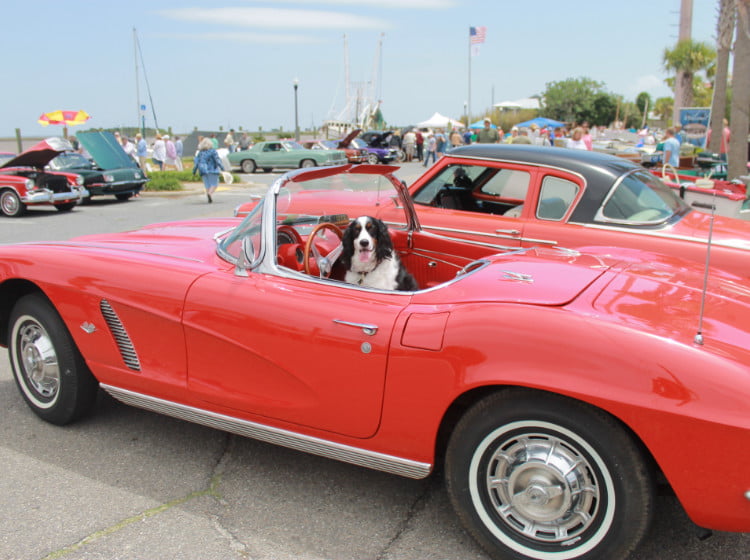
286	154
109	171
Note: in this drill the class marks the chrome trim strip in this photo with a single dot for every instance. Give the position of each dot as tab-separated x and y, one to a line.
652	233
491	235
308	444
120	334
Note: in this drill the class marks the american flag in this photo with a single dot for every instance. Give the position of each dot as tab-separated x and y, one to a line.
477	34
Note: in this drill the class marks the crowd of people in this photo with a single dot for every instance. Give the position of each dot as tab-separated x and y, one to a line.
423	145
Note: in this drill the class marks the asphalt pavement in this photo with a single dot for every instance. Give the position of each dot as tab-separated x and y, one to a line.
129	484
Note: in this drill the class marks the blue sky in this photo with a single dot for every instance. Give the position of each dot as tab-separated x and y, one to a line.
232	63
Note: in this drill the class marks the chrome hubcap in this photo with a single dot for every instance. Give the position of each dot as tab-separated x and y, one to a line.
9	203
543	488
39	360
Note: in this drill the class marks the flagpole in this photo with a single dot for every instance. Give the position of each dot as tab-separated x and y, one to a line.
468	111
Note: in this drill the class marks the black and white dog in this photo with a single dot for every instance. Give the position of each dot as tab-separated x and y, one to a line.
369	258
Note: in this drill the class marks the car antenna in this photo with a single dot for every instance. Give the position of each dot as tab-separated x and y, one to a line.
699	335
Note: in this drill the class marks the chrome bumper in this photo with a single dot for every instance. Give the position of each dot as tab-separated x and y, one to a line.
44	196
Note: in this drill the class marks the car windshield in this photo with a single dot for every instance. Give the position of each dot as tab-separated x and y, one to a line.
322	198
641	198
71	160
330	144
292	145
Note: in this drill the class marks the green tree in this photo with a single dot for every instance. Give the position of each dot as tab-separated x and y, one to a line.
686	60
604	109
572	100
663	108
644	102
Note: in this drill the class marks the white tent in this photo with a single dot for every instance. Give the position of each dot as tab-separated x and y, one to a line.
439	121
528	103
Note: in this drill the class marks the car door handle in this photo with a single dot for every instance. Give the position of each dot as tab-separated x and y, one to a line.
507	232
366	328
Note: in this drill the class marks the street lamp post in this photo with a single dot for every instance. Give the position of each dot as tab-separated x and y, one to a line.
296	113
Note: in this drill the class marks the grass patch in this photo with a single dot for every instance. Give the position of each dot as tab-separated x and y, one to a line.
173	180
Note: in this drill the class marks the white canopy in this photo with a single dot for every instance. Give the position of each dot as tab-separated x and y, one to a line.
439	121
528	103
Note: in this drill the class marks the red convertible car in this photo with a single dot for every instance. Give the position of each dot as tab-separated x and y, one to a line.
512	196
24	182
555	388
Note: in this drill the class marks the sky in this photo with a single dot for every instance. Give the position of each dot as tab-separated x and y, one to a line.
233	64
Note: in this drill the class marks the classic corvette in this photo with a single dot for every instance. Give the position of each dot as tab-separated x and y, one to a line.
511	196
112	171
24	182
283	154
554	387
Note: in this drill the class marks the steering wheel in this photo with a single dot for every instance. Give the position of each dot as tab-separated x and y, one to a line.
324	262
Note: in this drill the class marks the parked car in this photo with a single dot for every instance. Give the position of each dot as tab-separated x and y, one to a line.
353	155
24	182
283	154
552	387
511	196
377	144
110	171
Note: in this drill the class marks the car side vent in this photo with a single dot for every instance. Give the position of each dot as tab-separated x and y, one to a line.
127	351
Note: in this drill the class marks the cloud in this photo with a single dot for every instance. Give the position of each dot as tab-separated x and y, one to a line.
239	37
401	4
276	18
646	83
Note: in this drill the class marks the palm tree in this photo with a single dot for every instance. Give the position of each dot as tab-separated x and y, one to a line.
724	33
740	119
685	60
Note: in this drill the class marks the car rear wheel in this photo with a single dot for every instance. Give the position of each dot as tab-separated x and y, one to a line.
537	476
48	368
307	163
10	203
372	158
248	166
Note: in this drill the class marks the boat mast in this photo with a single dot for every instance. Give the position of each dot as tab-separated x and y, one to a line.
138	118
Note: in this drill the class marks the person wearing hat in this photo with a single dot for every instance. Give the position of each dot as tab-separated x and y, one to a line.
488	135
513	135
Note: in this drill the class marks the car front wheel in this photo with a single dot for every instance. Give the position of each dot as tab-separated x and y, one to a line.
307	163
372	158
10	203
248	166
539	476
48	368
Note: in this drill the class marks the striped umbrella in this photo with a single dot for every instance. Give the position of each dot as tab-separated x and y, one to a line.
64	117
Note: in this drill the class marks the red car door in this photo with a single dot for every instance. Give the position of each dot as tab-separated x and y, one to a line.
290	349
482	202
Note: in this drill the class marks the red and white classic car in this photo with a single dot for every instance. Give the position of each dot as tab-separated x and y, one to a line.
513	196
24	182
554	387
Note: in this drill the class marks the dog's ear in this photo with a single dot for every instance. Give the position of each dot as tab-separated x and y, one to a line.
385	245
348	243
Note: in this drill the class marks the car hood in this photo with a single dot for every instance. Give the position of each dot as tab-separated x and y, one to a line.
191	239
344	142
105	150
40	154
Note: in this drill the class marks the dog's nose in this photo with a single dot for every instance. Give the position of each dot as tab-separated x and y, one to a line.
364	242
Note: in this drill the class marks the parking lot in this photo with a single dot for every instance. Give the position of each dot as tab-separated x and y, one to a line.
130	484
